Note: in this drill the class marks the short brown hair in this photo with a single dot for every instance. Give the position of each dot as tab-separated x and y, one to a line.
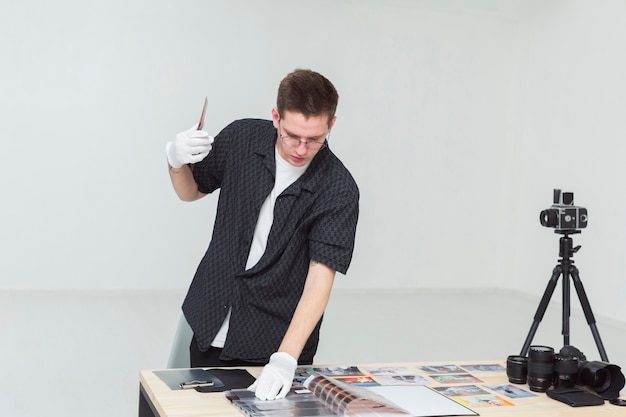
307	92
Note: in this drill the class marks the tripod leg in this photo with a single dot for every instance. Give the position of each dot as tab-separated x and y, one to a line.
584	302
541	310
565	263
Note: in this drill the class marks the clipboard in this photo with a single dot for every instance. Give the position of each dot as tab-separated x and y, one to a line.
221	379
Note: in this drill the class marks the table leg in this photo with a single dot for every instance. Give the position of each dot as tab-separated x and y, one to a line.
146	408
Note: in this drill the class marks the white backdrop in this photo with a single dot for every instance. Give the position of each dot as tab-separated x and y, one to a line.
457	119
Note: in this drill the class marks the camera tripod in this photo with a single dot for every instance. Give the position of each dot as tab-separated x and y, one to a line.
567	269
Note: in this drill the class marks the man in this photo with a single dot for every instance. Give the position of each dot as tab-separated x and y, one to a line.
286	221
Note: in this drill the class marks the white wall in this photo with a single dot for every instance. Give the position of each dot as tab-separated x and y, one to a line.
570	134
457	118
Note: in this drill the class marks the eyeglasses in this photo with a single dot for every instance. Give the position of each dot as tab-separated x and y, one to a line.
295	142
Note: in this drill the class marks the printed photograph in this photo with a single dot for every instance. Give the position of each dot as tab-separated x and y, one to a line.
484	368
461	391
442	369
301	374
413	379
483	401
511	391
359	380
389	371
455	379
339	370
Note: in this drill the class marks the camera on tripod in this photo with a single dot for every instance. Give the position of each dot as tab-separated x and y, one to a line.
563	214
542	367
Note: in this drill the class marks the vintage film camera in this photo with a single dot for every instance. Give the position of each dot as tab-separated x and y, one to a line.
563	214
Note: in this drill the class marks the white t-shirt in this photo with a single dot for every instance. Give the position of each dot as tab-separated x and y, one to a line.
286	174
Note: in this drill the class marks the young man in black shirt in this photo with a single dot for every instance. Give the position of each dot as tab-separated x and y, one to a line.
285	224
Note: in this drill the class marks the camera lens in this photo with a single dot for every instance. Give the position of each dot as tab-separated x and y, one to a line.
549	217
604	378
517	369
540	368
565	371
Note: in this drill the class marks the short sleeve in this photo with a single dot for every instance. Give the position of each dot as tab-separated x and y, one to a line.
332	237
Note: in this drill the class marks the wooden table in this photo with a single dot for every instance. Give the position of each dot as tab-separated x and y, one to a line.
157	399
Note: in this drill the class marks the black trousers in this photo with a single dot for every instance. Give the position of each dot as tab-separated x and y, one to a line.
211	357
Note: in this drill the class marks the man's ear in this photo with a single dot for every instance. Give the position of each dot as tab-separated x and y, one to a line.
332	122
275	117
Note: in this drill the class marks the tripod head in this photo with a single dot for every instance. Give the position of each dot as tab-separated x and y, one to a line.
567	232
566	250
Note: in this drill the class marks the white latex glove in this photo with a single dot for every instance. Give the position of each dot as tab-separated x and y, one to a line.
188	147
276	377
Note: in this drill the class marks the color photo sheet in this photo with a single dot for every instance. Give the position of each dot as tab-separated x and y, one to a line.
404	391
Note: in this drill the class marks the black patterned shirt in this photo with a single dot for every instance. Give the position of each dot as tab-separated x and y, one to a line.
315	218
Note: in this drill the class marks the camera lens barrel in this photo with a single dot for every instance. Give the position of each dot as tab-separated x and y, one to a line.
604	378
565	371
517	369
549	217
540	368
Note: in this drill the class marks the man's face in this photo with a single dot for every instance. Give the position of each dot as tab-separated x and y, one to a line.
300	138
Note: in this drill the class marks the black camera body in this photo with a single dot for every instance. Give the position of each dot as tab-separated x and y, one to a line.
563	214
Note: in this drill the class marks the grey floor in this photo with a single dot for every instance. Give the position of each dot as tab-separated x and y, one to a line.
78	353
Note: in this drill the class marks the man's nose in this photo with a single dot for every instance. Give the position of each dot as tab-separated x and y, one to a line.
301	147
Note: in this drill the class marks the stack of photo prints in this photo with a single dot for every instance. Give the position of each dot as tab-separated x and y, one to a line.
441	390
